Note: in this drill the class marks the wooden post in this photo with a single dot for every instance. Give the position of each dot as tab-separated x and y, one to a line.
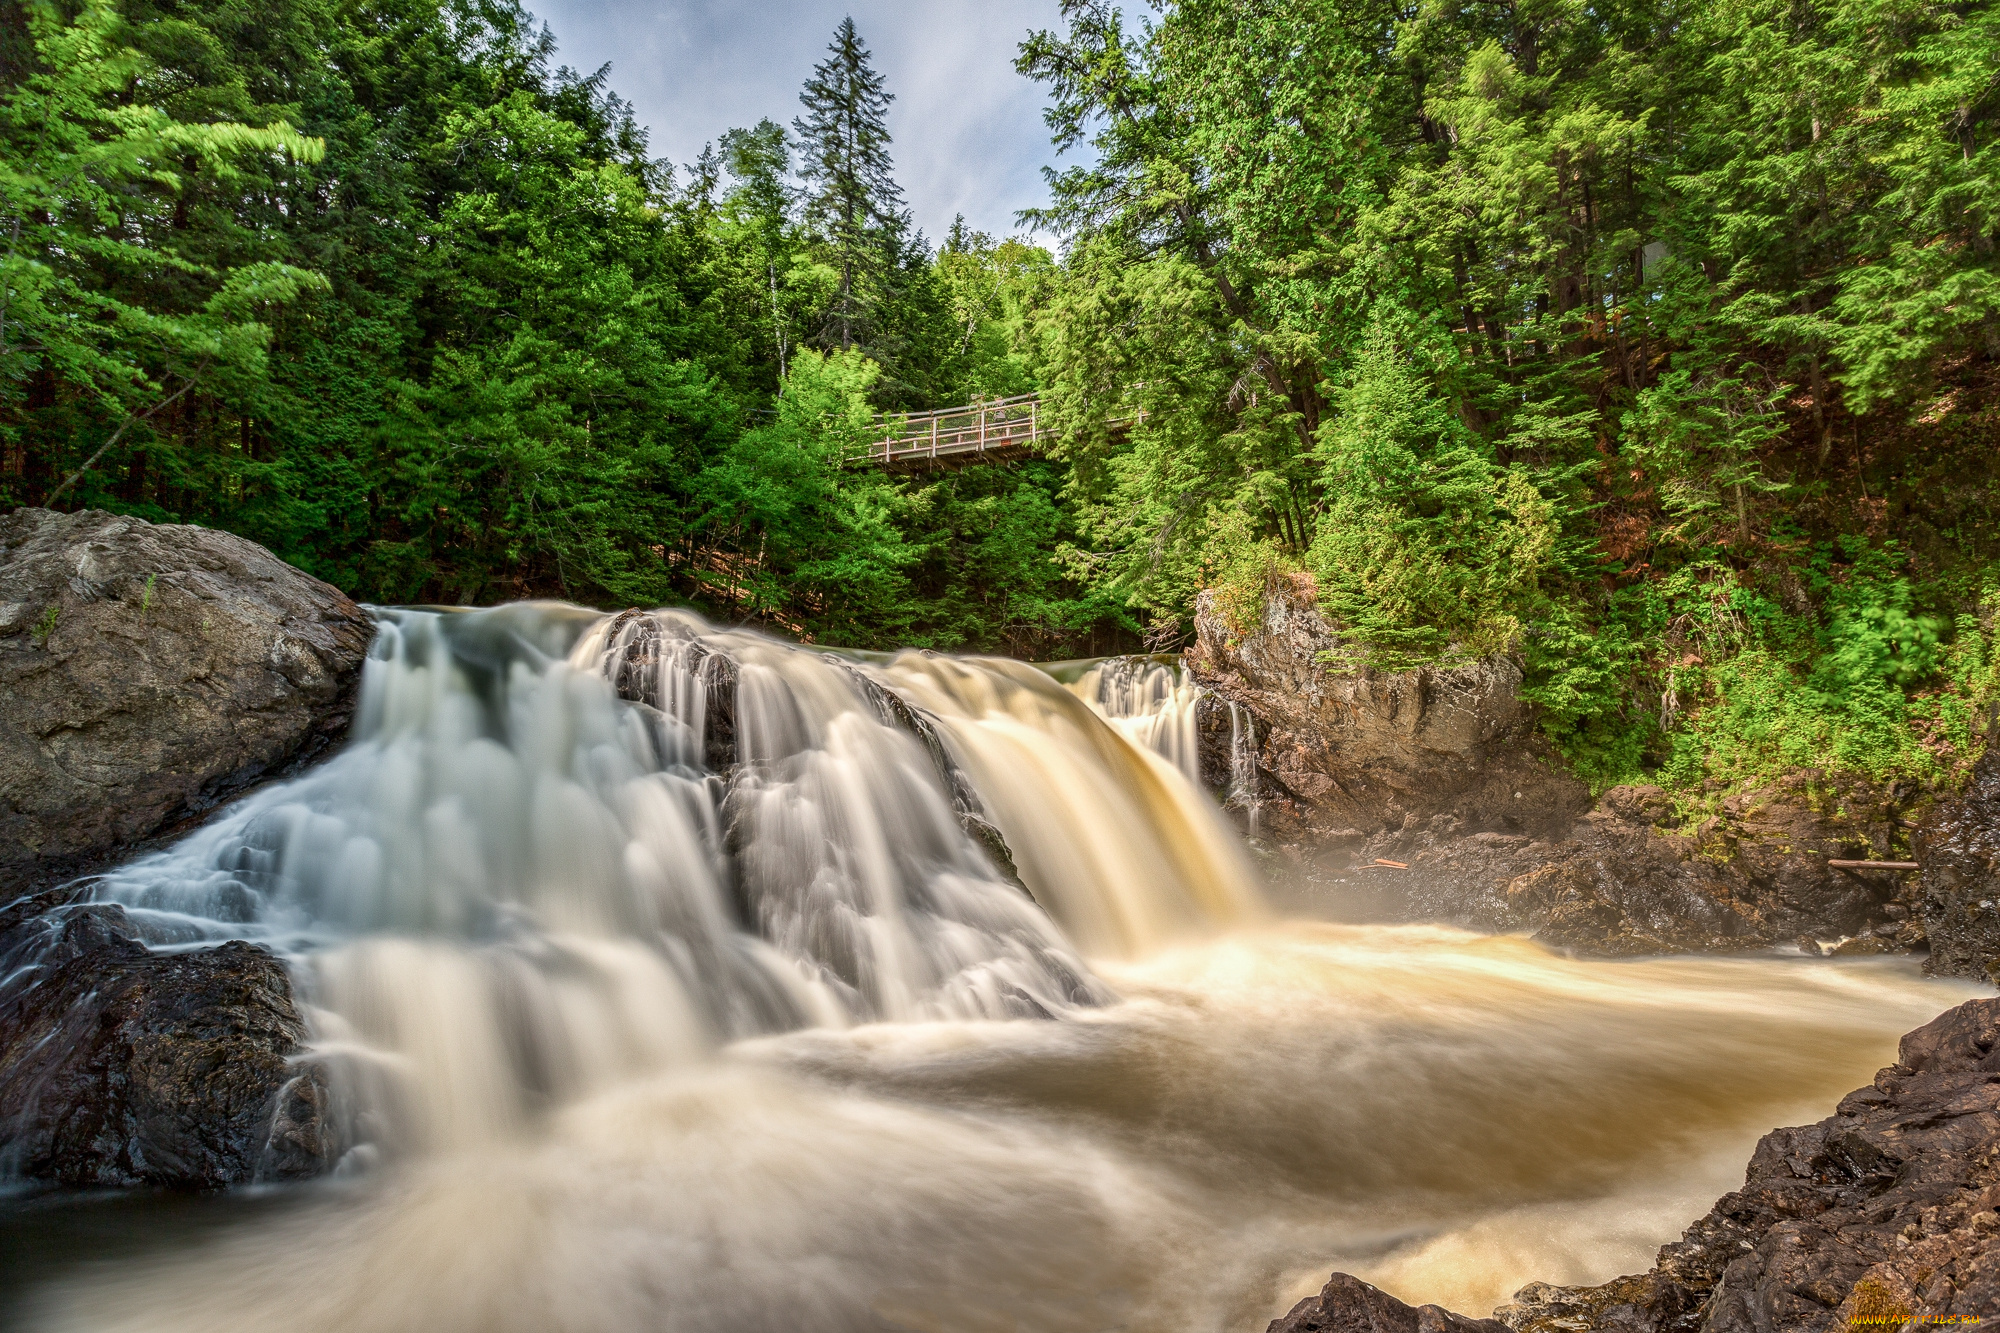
982	428
934	422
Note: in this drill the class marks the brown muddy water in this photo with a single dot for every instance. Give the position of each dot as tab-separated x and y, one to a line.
631	1038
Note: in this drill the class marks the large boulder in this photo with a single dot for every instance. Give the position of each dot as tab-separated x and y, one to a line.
1885	1214
123	1066
1958	846
150	672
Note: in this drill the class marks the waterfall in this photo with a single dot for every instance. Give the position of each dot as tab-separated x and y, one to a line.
1149	701
684	980
563	849
1244	789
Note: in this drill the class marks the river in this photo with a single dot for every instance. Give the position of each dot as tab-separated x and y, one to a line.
667	977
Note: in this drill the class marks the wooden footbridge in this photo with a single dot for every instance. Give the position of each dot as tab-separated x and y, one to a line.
997	431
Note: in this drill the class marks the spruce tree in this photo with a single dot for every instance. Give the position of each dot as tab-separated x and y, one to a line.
853	203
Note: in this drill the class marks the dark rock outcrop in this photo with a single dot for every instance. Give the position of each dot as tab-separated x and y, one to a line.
1886	1214
123	1066
1627	878
1349	1305
1441	771
151	672
1958	846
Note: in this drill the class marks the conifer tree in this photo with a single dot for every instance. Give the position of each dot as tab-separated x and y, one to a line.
759	160
853	203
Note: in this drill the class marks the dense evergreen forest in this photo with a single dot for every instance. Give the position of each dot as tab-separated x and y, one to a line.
377	286
1655	340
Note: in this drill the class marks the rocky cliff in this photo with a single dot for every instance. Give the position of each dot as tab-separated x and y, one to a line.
1885	1214
151	672
1442	771
1345	753
1958	846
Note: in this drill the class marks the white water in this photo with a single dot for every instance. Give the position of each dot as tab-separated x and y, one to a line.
1150	703
517	887
645	1046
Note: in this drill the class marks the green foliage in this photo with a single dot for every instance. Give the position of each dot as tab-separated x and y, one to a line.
1426	550
373	285
1607	336
827	544
83	171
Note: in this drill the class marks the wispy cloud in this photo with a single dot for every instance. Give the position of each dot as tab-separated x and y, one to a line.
968	130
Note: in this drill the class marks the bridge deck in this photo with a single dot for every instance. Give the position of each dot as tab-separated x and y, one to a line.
996	431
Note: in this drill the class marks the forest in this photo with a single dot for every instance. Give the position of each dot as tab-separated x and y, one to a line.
1655	341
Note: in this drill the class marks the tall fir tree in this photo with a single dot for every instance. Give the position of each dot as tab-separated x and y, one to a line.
853	203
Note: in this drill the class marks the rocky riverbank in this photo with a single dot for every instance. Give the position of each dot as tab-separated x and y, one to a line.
151	673
1442	772
1885	1214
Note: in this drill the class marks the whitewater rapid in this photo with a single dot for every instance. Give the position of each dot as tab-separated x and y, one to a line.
566	849
675	978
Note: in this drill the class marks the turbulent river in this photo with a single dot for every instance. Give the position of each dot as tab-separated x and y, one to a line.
673	978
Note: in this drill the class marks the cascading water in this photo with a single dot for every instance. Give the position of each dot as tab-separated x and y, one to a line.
1244	789
683	980
1151	703
566	849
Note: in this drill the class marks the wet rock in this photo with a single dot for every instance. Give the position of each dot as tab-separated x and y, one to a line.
1958	846
122	1066
1349	1305
151	672
718	677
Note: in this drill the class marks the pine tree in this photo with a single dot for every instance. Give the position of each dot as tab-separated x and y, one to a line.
853	203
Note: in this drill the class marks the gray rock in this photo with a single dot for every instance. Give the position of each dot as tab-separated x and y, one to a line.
1374	750
1958	847
151	672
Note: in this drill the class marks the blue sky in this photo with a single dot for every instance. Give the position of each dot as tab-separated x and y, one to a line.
968	130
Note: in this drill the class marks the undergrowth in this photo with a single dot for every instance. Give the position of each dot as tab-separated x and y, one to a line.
1739	683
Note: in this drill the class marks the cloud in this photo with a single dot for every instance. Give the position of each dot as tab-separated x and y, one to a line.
968	131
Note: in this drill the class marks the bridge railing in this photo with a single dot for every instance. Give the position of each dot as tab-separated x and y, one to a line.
1003	426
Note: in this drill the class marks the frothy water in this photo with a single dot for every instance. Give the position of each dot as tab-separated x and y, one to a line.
565	850
1149	702
679	979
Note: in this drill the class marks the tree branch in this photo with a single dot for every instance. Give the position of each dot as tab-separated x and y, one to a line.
131	420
